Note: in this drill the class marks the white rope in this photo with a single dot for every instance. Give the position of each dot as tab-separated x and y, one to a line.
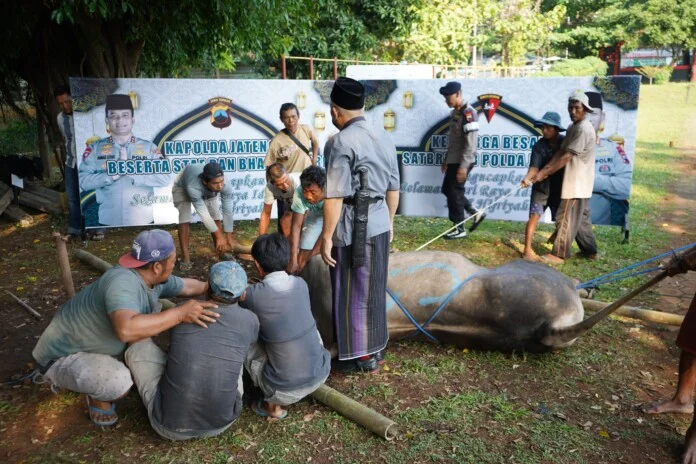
478	213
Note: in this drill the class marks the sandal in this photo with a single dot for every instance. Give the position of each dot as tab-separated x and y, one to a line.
111	412
97	237
258	409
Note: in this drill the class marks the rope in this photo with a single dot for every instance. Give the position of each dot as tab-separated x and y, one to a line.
478	213
605	278
421	328
35	376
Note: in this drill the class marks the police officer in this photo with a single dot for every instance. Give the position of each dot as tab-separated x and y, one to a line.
613	173
463	139
128	199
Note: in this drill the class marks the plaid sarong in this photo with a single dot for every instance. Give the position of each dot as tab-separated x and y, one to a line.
359	299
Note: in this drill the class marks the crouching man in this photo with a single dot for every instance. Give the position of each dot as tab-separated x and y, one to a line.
82	348
195	391
289	361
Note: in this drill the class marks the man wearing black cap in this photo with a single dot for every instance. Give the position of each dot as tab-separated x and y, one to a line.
82	347
577	155
204	187
613	173
359	289
124	200
463	139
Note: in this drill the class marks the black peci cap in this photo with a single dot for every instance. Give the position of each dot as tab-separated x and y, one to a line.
348	93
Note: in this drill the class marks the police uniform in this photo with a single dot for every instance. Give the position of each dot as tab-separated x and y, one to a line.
128	200
612	185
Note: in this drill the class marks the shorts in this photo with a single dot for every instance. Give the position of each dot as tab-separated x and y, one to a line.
311	229
183	203
536	208
686	340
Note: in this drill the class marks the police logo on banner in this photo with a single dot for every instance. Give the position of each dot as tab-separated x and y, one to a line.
220	112
489	102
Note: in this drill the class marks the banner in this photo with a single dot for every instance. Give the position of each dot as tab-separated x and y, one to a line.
176	122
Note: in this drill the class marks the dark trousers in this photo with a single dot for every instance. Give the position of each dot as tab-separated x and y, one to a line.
573	223
72	191
457	202
282	208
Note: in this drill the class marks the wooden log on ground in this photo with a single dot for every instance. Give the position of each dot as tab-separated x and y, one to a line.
103	266
239	248
39	203
6	197
37	189
646	315
17	214
64	262
357	412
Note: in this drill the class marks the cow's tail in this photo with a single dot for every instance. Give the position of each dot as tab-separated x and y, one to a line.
557	337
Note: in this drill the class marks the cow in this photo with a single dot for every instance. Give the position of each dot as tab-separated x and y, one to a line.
519	306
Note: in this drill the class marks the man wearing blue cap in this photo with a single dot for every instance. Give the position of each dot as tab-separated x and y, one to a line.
547	193
123	199
463	140
81	348
359	288
195	389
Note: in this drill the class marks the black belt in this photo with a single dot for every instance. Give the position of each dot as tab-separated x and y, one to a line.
351	200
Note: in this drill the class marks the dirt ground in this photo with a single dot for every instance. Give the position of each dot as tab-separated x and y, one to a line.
28	268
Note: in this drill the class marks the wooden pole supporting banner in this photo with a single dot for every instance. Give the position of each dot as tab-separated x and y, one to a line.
64	262
357	412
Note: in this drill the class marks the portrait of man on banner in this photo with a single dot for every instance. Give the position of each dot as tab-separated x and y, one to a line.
118	173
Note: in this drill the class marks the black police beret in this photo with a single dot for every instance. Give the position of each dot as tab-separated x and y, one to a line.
450	88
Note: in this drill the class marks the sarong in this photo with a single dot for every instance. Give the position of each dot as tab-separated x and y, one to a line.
359	299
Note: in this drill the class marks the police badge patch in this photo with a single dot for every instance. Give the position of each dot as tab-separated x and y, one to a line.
220	112
490	102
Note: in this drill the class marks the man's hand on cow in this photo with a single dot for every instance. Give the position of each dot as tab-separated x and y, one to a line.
197	312
461	175
326	246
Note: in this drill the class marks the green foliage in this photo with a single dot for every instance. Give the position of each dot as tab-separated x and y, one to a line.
588	66
18	136
656	74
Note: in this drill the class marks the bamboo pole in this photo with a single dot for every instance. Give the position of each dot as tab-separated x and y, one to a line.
659	317
64	262
357	412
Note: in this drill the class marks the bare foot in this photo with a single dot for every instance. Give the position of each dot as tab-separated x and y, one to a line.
689	456
274	410
530	256
553	259
665	406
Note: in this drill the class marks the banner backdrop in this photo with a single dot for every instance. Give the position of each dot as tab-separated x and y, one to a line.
182	121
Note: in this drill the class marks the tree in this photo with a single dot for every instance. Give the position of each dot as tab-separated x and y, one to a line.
351	29
46	41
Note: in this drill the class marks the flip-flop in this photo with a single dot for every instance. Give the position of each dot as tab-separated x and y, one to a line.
259	411
111	412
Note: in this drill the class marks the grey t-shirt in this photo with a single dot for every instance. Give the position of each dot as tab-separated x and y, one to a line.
198	390
580	171
296	358
83	325
191	183
355	146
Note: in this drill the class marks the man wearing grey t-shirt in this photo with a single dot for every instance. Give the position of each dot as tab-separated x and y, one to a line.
573	221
